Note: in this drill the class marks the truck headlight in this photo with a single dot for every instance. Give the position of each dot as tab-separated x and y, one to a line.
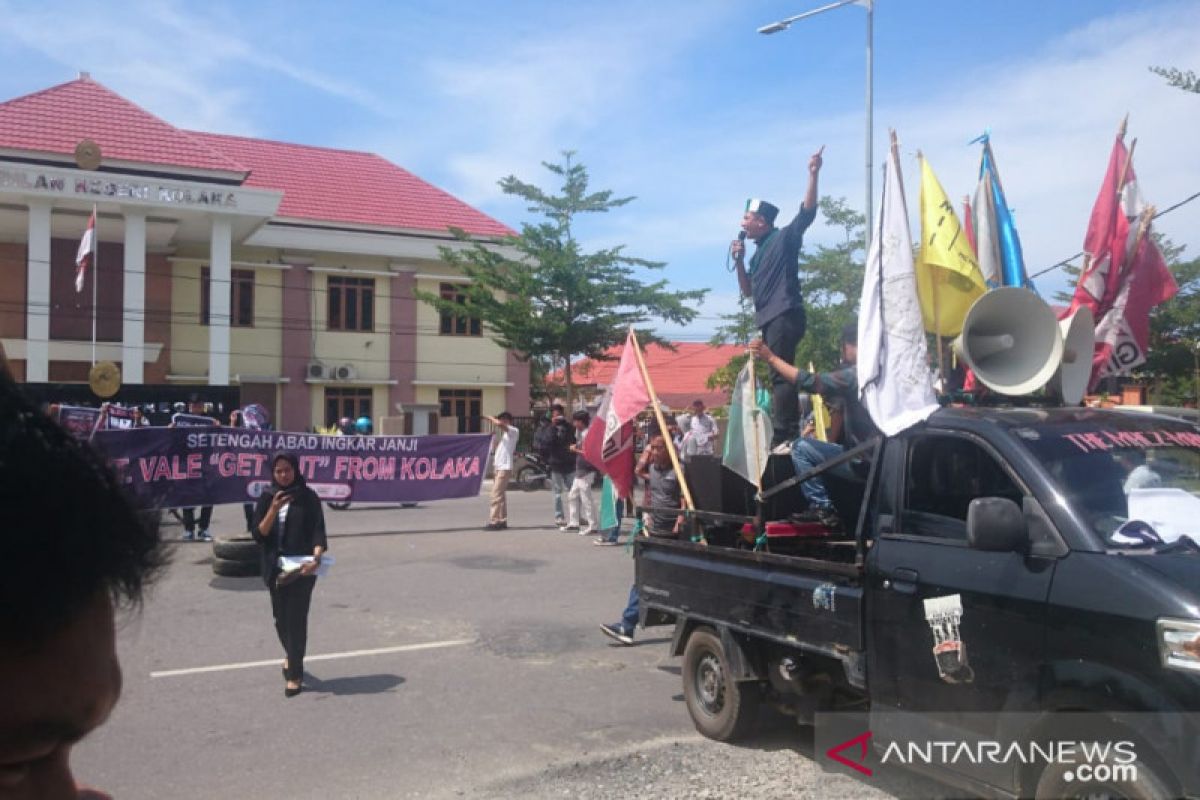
1179	644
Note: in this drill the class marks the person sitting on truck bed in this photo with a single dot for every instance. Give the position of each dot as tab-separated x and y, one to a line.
839	387
665	493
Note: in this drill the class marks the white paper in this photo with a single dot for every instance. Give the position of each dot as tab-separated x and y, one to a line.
1171	512
293	563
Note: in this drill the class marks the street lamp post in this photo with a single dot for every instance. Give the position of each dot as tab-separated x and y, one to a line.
784	24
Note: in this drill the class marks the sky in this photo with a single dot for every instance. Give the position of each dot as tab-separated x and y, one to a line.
679	103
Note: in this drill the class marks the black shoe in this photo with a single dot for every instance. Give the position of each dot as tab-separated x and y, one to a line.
811	514
618	632
288	691
495	526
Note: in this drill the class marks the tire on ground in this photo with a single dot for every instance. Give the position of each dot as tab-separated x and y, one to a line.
236	548
227	568
720	707
529	478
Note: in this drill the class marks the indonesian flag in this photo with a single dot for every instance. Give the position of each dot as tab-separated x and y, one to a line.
86	254
1123	333
609	442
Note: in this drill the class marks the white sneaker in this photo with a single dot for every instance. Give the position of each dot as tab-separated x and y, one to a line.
782	449
205	536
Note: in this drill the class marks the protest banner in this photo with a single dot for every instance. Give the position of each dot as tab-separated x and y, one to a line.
79	421
182	467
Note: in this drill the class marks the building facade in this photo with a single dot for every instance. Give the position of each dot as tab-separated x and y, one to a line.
286	272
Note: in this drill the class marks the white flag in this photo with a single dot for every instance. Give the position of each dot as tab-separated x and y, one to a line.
749	432
85	255
894	379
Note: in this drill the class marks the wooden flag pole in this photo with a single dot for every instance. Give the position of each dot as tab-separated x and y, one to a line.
662	423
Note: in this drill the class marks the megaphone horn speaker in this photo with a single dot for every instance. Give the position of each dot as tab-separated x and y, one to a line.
1011	340
1079	342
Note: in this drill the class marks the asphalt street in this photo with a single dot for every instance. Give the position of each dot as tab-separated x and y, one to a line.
445	661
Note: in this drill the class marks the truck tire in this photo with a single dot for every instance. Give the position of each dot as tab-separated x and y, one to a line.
236	548
228	568
721	708
1059	781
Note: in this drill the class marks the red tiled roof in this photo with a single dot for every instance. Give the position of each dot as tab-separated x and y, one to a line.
55	120
320	183
679	377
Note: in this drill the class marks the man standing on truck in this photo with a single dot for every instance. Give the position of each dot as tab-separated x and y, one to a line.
665	493
840	387
772	280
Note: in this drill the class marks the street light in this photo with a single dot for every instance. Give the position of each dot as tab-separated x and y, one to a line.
784	24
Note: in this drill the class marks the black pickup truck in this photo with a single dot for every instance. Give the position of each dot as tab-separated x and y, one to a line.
1007	566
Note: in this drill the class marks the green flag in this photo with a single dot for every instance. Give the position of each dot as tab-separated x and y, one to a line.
750	430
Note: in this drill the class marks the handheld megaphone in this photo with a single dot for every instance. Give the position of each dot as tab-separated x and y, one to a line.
1011	340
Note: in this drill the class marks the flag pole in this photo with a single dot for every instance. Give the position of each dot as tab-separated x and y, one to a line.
95	273
662	423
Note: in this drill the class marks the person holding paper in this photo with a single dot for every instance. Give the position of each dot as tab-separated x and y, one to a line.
289	521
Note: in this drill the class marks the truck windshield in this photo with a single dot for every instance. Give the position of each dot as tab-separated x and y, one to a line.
1134	479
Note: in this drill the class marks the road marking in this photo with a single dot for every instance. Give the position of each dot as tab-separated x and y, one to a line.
403	648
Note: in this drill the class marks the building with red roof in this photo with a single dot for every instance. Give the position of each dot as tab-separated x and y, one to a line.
245	269
679	376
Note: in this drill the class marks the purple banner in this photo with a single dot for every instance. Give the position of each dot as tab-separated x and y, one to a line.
179	467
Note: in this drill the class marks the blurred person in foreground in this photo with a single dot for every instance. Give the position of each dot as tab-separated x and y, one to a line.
76	552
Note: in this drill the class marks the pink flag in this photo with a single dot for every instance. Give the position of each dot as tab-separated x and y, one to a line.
1123	333
1107	234
609	442
86	253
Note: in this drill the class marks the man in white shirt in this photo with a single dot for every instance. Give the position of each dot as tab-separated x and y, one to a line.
502	465
702	431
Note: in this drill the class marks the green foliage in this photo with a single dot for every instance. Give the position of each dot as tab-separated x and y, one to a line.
831	282
543	297
1186	80
1171	363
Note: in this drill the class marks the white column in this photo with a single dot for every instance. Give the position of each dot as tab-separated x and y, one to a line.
37	295
220	275
133	326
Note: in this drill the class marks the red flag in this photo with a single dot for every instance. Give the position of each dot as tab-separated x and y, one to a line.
1107	234
1123	333
86	253
609	442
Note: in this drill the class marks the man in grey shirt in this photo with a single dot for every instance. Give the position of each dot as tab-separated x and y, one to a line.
772	279
665	493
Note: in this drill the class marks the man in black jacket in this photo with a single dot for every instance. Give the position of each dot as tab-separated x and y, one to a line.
555	448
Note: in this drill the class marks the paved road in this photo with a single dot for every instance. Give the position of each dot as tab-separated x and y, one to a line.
462	663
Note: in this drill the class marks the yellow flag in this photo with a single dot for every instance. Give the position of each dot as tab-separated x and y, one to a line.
820	414
948	275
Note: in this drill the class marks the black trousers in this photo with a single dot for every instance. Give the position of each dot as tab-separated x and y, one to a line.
782	335
289	605
248	510
189	517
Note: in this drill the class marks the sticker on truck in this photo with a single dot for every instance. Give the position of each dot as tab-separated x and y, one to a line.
944	615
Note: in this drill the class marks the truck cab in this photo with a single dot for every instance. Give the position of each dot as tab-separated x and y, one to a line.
1008	565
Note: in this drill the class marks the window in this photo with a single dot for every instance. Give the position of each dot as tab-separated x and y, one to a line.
351	304
352	403
945	473
458	324
241	297
466	404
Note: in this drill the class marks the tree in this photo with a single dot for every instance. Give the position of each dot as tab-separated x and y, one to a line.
553	300
1186	80
831	281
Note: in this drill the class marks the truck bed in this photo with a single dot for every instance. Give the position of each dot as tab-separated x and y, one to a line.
812	603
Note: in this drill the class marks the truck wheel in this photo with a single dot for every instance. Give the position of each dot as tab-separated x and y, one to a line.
1136	781
338	505
720	707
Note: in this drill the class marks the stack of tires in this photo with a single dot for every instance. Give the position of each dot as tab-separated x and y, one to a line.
236	557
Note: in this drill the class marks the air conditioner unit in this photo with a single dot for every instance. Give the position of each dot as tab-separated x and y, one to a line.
317	371
345	372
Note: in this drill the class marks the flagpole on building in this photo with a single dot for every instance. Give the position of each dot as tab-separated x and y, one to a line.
95	274
662	422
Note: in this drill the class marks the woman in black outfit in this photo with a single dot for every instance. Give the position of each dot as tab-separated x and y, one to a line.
288	521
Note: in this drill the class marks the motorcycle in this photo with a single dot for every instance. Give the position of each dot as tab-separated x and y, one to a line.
534	474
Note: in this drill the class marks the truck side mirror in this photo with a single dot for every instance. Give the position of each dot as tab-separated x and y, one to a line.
996	524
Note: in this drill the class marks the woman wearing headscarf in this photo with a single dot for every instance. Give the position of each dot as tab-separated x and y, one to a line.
288	521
